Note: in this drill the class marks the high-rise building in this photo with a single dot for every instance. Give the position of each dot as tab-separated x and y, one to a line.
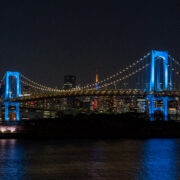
2	88
69	82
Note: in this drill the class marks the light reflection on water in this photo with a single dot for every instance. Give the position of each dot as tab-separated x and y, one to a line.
161	159
11	159
151	159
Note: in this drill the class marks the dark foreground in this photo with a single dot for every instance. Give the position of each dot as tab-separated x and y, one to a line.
120	159
130	125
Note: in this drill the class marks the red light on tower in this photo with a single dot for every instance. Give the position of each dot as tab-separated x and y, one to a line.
95	99
31	103
95	104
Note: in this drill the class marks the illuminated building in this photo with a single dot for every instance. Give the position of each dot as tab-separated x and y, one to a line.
27	91
2	89
69	82
95	99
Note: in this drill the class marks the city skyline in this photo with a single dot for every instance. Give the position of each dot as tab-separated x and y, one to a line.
47	40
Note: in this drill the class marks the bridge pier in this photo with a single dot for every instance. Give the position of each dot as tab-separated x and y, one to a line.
152	108
7	111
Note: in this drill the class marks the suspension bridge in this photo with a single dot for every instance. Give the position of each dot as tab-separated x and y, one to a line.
154	77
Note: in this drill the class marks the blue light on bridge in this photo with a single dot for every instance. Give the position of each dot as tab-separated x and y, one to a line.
157	77
8	95
158	55
8	88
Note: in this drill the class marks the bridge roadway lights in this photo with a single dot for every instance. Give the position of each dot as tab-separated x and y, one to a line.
7	111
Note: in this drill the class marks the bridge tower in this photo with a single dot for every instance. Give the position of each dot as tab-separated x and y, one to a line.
159	81
9	94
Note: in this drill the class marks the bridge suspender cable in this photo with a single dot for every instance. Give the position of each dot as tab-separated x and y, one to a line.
35	87
125	77
89	86
176	62
117	74
35	84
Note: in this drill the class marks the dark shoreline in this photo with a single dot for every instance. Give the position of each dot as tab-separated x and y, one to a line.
129	125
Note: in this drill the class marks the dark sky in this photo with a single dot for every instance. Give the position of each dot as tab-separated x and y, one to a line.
46	40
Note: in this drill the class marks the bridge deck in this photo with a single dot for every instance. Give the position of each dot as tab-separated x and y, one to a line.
81	93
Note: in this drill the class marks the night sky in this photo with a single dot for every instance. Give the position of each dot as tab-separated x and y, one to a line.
45	40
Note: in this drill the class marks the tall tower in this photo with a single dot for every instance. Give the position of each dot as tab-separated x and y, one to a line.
96	81
157	71
159	81
9	94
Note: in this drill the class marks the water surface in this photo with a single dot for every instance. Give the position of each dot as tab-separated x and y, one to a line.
151	159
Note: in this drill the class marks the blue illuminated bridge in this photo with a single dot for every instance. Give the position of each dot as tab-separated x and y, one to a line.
152	81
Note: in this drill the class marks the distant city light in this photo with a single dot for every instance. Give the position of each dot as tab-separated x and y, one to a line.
4	129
